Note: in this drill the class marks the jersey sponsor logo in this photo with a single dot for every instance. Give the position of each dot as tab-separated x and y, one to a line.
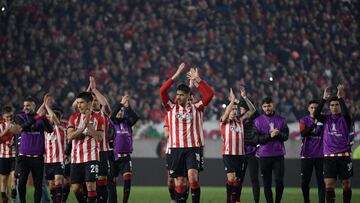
182	116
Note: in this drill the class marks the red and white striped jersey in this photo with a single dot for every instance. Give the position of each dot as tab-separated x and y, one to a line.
166	130
86	148
55	143
7	150
232	133
104	144
185	125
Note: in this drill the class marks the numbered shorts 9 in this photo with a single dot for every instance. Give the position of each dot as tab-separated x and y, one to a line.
84	172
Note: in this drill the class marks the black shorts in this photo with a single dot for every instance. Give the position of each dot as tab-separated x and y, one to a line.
341	167
183	159
234	164
84	172
67	170
122	165
7	165
104	164
52	169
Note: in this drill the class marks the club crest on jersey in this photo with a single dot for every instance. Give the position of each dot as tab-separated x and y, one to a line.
334	131
182	116
271	126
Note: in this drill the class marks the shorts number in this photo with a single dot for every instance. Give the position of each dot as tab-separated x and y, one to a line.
94	168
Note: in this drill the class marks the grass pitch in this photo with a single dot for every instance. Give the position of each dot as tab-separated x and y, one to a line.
209	195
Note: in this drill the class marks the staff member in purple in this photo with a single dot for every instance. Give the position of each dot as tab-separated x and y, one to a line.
272	131
31	148
311	152
122	120
336	144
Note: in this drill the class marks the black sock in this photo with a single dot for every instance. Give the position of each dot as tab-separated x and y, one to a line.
102	191
187	192
330	195
235	194
347	192
4	197
52	194
91	197
171	192
228	191
195	192
111	187
65	193
180	194
127	188
279	189
13	193
80	197
305	190
58	194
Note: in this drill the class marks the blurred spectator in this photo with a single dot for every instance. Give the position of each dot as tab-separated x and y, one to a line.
292	49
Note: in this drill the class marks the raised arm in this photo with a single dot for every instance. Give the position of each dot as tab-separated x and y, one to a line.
51	113
205	90
344	109
318	110
228	109
251	106
100	97
164	96
129	113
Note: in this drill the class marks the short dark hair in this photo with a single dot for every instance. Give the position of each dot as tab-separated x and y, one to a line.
30	99
184	87
267	100
87	96
6	109
313	102
58	111
243	104
333	98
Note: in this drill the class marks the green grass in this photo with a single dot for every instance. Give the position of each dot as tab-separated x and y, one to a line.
209	195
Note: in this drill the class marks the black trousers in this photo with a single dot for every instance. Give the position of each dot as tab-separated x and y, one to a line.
35	165
253	162
307	166
268	166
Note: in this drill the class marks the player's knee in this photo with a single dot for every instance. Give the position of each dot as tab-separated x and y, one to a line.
101	182
346	184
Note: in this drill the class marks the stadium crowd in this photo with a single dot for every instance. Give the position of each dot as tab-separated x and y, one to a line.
292	49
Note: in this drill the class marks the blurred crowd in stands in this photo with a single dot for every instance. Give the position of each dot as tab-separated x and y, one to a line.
288	49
